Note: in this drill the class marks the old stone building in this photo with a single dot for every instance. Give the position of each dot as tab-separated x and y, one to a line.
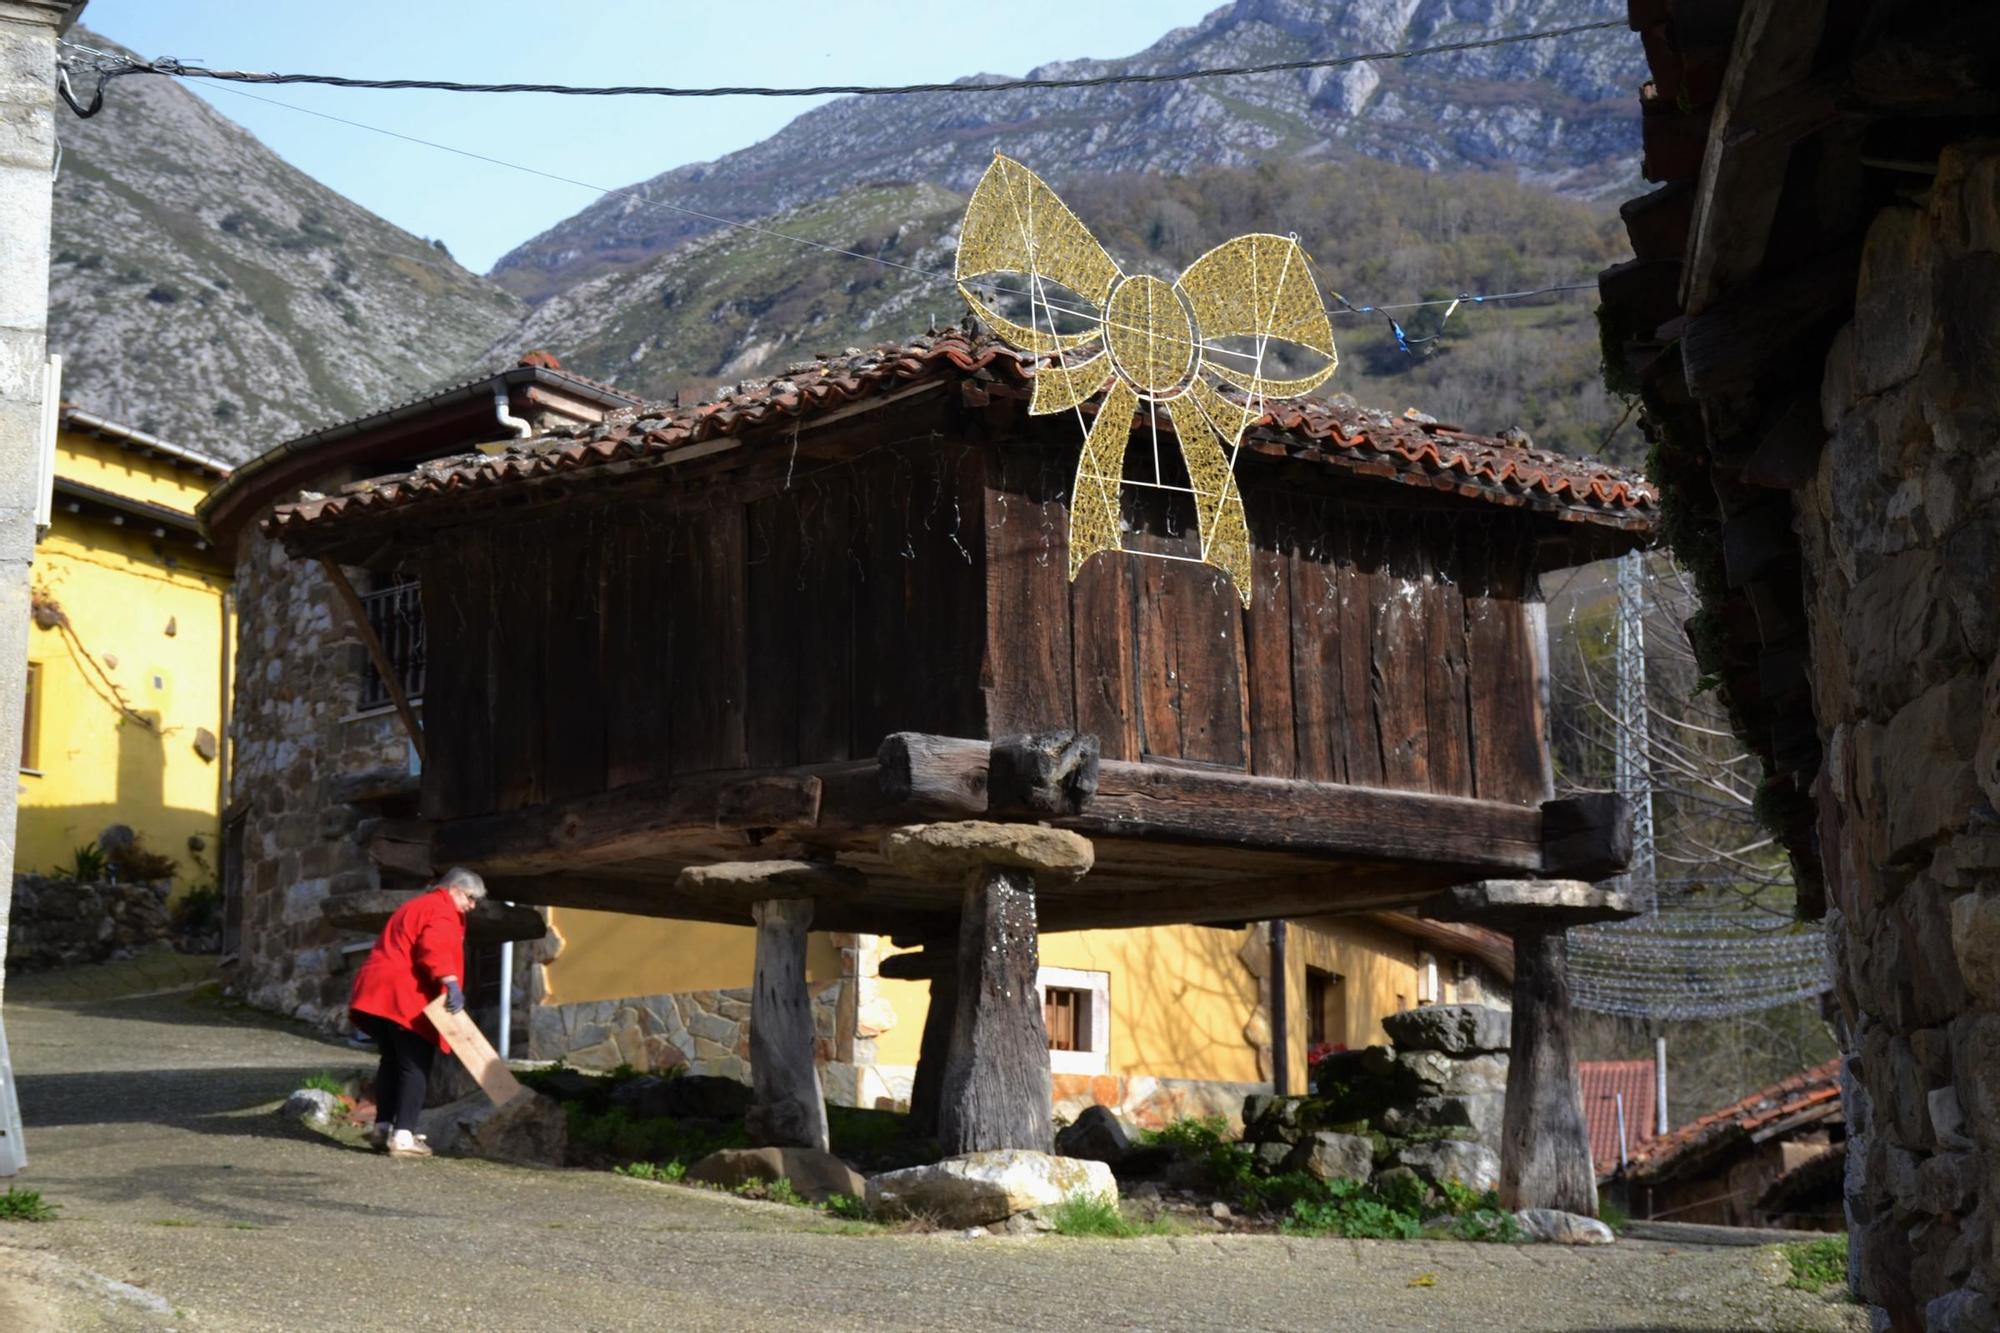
1813	319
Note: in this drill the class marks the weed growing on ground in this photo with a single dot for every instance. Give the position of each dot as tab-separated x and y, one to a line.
782	1191
1099	1215
846	1207
1817	1264
1613	1216
19	1205
325	1083
665	1173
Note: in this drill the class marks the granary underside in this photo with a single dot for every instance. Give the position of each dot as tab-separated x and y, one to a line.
780	625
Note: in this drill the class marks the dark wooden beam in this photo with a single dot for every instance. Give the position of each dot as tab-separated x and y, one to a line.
628	823
1587	837
489	923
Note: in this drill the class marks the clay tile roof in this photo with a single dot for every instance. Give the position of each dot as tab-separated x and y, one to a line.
1602	1081
1413	448
1814	1093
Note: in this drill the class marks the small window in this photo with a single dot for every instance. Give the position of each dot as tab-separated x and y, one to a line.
1076	1011
1064	1013
396	613
31	716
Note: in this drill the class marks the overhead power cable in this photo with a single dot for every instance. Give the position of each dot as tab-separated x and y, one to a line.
122	66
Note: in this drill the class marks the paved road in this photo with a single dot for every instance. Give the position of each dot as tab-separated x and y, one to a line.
187	1204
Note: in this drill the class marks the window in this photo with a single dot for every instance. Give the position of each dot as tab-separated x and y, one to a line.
1326	1009
396	615
1065	1012
31	716
1076	1010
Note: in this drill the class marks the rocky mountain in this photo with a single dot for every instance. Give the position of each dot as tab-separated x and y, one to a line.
734	304
1562	113
207	291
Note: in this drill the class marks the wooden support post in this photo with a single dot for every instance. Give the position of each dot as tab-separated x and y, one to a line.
927	1088
1544	1142
997	1092
789	1110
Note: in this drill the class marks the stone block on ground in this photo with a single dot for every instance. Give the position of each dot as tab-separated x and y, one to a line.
1095	1136
683	1097
1332	1156
1481	1114
1453	1029
1271	1119
532	1129
986	1187
1473	1165
1560	1228
310	1104
814	1174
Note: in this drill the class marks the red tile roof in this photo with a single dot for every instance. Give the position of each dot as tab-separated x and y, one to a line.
1413	448
1813	1094
1602	1082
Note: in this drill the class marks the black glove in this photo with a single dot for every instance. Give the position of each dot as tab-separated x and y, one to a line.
454	998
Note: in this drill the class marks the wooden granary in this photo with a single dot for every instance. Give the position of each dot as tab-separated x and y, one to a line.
704	662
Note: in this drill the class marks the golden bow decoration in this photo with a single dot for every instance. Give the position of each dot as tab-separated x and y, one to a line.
1152	341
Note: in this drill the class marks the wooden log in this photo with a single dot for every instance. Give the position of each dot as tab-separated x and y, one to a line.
1045	774
789	1110
934	1052
398	844
997	1092
489	922
1544	1141
1588	837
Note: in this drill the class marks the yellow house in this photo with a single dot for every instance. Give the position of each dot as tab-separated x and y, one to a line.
128	659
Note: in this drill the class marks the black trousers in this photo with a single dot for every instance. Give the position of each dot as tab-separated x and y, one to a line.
403	1073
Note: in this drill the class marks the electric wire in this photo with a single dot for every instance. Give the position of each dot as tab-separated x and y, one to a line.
167	66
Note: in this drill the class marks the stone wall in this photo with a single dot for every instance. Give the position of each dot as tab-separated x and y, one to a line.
299	670
1900	527
61	923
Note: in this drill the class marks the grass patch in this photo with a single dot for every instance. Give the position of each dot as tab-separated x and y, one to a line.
846	1207
1817	1264
667	1173
1098	1215
19	1205
1613	1216
325	1083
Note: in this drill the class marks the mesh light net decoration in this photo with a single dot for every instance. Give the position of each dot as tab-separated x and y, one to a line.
1153	343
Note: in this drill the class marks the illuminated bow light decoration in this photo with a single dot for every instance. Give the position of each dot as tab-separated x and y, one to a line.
1152	341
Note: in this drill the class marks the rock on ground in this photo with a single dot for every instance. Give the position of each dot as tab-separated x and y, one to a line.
816	1175
1331	1156
532	1129
984	1187
1473	1165
1454	1029
1095	1136
309	1104
1560	1228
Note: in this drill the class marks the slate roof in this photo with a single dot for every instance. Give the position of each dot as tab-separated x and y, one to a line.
1412	448
1601	1081
1813	1094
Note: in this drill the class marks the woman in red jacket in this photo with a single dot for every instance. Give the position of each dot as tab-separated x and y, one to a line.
419	956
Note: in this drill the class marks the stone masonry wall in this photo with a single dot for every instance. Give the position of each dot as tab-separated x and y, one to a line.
299	670
1901	532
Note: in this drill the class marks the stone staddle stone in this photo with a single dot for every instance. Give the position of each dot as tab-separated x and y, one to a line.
1516	904
784	879
944	852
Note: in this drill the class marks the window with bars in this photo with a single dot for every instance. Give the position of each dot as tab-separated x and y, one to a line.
396	615
1066	1015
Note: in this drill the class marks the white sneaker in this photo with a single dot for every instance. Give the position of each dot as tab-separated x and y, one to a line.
405	1144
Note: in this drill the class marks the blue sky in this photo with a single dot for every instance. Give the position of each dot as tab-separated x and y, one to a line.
481	211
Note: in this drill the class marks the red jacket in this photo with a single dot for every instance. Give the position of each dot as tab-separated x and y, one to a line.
423	943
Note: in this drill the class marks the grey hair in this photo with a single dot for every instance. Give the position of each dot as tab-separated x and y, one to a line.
465	881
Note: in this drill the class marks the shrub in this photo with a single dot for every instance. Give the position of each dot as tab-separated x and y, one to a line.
1231	1167
1099	1215
86	865
19	1205
1817	1264
199	909
669	1173
848	1207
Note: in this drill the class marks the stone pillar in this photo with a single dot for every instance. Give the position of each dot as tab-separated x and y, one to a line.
995	1088
1544	1140
28	31
789	1110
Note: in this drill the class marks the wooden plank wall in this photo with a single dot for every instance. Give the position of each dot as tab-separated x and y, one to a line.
1384	647
611	645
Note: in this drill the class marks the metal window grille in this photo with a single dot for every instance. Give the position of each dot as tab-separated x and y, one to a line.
396	614
1063	1016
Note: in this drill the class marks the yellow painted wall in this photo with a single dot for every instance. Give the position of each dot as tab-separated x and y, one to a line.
120	588
1182	995
610	956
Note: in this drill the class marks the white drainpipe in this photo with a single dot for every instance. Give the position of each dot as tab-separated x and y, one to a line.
521	428
506	1041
